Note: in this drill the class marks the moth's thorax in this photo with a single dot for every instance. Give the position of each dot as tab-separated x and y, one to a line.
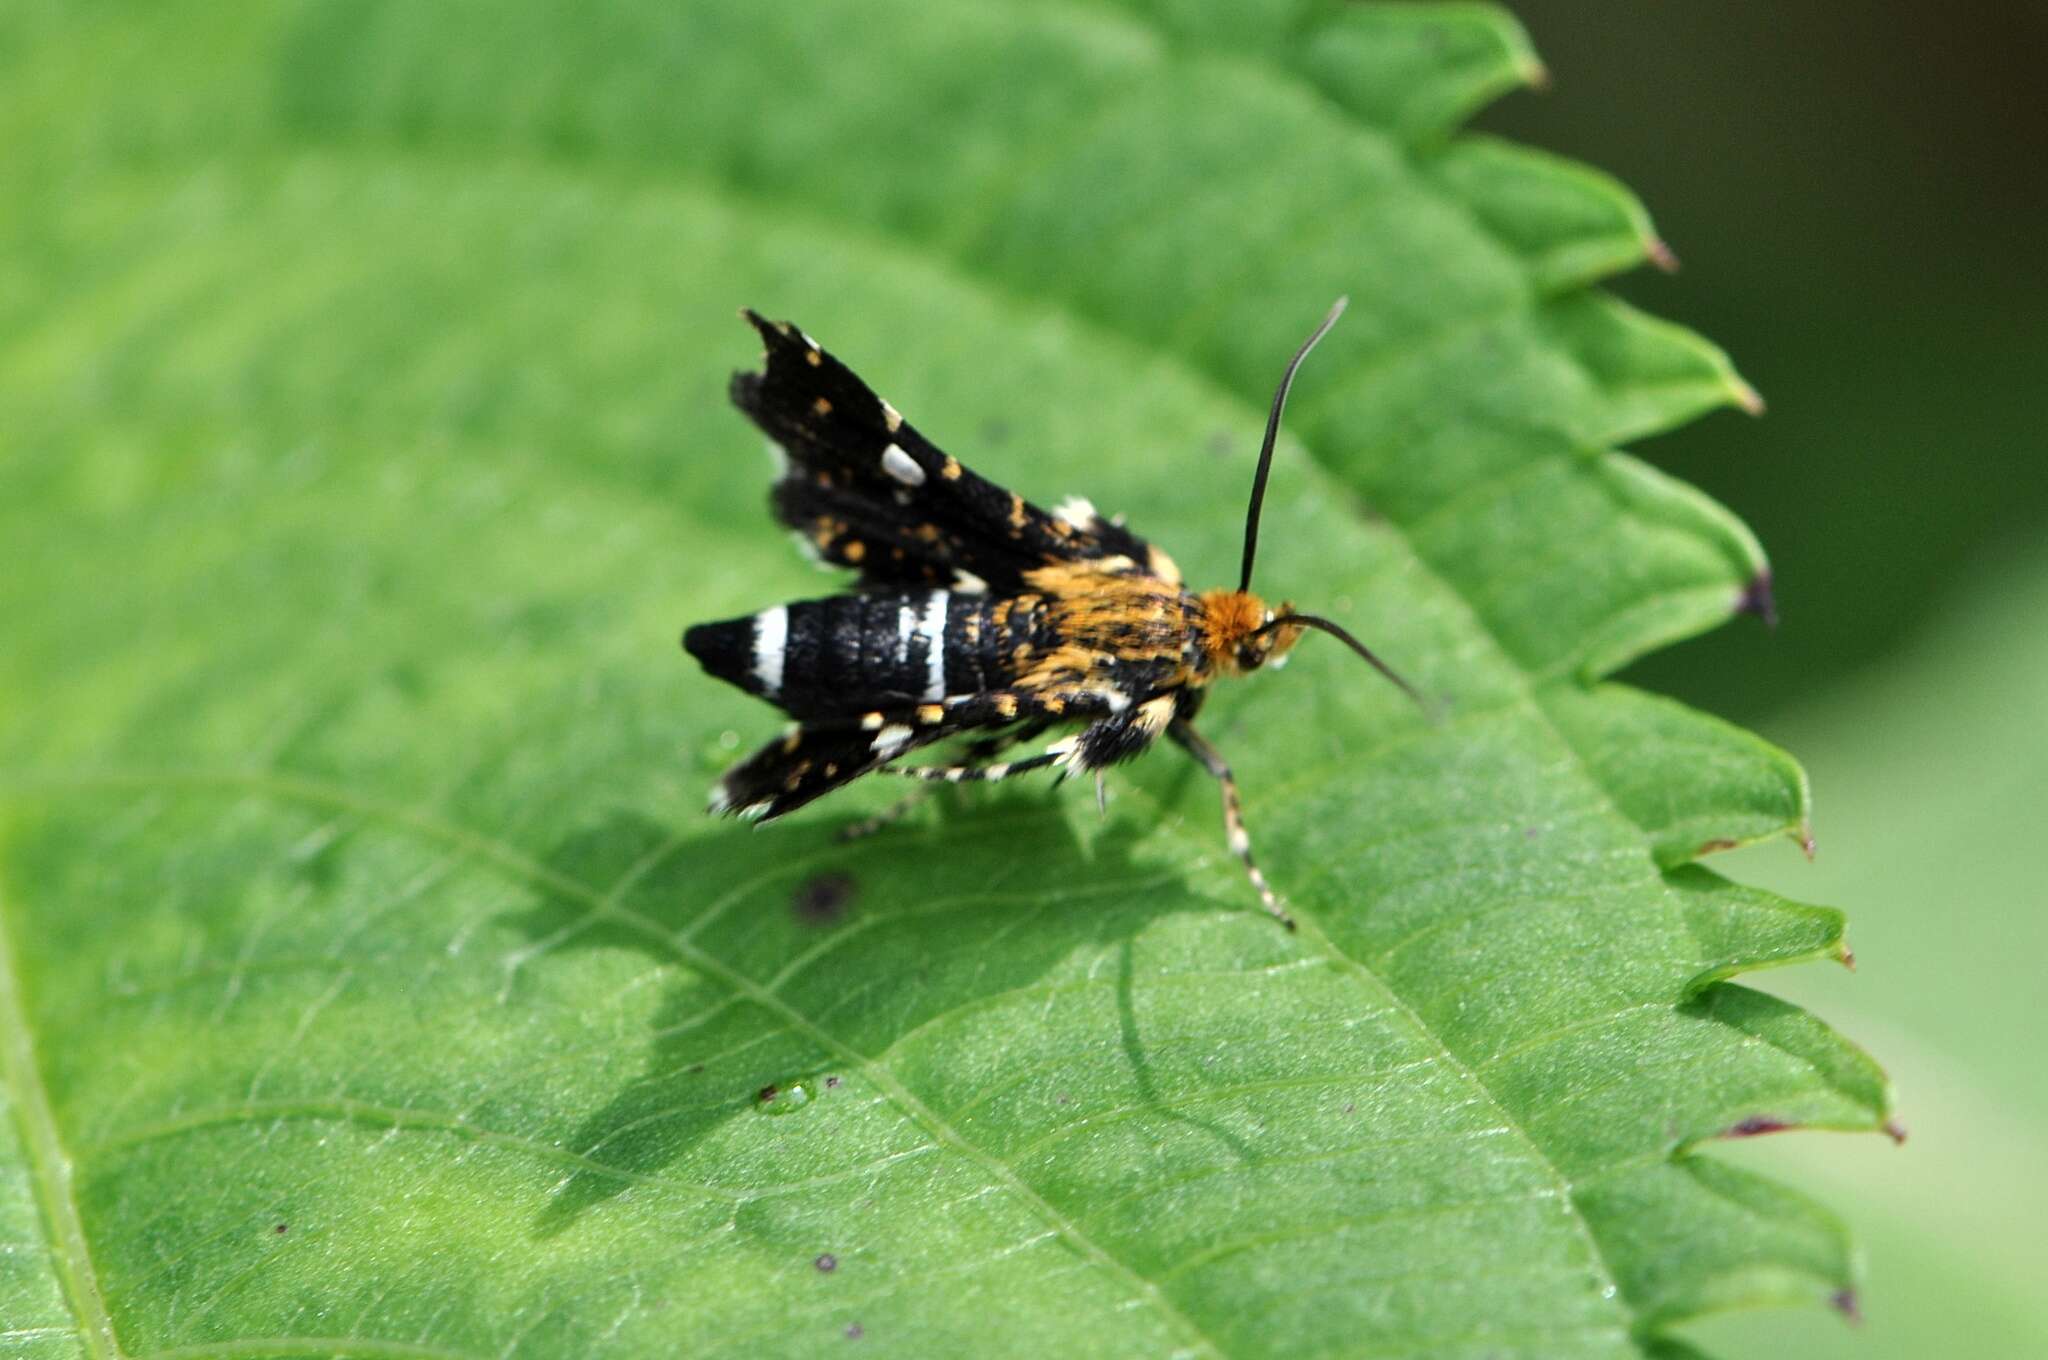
1230	627
1109	615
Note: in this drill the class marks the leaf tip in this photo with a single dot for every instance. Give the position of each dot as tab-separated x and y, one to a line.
1844	1301
1658	251
1895	1131
1757	597
1747	397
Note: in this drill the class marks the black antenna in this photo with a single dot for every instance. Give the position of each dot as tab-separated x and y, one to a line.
1335	631
1251	518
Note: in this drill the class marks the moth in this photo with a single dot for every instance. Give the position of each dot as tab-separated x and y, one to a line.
974	612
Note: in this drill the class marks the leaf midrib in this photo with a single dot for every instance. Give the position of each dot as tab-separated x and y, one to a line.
49	1164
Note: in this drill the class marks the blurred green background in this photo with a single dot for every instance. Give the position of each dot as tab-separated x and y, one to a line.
1855	194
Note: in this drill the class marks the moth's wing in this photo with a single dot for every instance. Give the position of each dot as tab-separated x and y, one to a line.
819	756
814	759
807	764
867	491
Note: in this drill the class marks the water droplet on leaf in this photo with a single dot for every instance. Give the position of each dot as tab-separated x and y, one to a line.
785	1097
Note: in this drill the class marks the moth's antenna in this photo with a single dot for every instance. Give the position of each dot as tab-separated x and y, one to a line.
1251	518
1343	636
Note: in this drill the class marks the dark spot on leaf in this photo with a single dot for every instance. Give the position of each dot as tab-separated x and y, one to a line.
1065	1099
1844	1301
995	431
831	1083
1755	1125
1529	833
826	1262
854	1331
1351	1108
695	1068
1757	599
1222	444
767	1093
822	899
282	1228
1718	844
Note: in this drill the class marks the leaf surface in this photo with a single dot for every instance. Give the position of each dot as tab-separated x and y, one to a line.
374	983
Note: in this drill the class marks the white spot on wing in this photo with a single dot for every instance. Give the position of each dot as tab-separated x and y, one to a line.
933	629
1076	510
967	583
771	634
902	466
891	739
777	455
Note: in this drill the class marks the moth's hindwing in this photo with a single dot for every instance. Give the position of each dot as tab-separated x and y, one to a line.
865	490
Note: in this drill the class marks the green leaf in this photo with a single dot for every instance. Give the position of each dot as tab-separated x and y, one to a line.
373	983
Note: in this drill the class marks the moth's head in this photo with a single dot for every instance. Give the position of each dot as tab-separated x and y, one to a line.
1241	632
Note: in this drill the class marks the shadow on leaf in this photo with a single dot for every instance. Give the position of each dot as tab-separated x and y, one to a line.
798	957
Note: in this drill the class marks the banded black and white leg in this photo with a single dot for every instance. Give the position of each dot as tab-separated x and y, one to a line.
1117	731
1188	739
975	753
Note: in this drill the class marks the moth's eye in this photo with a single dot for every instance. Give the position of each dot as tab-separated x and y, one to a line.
1250	658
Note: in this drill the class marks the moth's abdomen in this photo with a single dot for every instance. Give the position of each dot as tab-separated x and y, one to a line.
857	653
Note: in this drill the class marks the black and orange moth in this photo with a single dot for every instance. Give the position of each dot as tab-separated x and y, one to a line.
974	611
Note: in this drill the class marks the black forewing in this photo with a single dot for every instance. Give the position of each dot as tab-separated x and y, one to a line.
869	492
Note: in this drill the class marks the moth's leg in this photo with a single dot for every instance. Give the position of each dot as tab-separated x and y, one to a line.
976	774
975	753
1240	840
988	748
888	816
